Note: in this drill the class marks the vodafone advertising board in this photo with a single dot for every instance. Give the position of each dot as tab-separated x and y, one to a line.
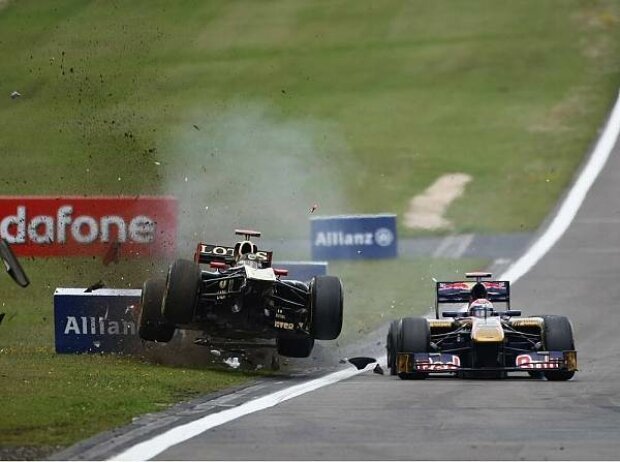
47	226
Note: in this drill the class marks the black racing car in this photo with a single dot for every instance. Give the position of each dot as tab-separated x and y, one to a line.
479	340
241	299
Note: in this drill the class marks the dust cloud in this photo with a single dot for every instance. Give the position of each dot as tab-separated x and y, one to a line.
246	166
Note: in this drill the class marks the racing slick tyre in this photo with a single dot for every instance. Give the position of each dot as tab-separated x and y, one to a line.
295	347
325	307
181	294
414	337
391	346
151	324
558	336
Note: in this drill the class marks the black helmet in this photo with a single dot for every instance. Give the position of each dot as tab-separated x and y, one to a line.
478	291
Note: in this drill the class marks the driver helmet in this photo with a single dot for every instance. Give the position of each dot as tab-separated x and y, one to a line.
478	291
481	308
243	248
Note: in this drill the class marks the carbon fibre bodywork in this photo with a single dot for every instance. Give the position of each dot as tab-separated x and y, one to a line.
478	340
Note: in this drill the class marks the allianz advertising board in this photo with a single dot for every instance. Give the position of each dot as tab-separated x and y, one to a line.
354	237
104	320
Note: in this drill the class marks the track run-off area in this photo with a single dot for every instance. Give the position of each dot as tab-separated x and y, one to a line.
572	268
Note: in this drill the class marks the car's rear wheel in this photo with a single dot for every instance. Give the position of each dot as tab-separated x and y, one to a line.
414	337
151	325
391	346
326	307
182	290
558	336
295	347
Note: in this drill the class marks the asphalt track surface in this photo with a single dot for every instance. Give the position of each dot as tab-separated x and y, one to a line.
380	417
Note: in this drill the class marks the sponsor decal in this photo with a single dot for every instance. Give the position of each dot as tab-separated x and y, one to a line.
437	362
284	325
281	322
104	320
538	361
336	238
91	325
71	225
384	237
353	237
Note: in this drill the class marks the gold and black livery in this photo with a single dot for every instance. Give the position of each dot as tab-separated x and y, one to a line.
479	340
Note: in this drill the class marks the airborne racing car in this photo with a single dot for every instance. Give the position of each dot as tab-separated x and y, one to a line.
478	340
240	299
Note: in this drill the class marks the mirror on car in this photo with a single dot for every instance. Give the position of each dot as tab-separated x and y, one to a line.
452	314
12	265
512	313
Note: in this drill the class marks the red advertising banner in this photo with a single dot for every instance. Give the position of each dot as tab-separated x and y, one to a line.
47	226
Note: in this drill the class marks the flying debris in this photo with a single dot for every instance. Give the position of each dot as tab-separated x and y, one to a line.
233	362
362	361
97	285
113	254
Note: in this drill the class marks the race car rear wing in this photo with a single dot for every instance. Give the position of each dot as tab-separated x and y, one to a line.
207	253
460	291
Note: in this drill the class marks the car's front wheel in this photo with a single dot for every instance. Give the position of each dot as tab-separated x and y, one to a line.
391	346
326	307
151	324
558	336
182	290
414	337
295	347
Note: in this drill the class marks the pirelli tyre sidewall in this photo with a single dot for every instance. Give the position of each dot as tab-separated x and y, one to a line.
295	347
182	290
391	346
414	337
326	307
558	336
151	325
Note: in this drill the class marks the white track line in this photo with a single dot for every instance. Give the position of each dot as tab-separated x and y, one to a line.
566	213
573	200
156	445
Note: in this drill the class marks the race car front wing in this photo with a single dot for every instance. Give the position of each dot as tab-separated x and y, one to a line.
445	362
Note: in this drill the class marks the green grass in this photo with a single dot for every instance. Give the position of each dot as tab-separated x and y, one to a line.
57	400
258	110
355	106
381	290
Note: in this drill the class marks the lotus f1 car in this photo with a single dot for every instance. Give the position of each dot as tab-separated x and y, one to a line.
241	299
479	340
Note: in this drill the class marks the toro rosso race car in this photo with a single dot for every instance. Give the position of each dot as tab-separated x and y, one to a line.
241	298
479	340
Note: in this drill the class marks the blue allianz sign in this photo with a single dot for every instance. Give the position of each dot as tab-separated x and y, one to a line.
353	237
104	320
